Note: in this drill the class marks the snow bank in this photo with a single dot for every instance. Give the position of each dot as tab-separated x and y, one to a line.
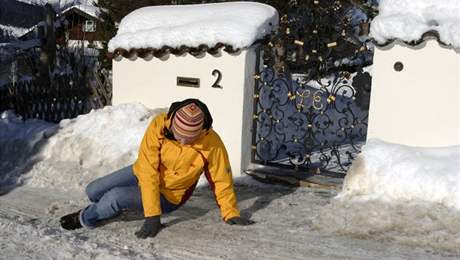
71	154
14	128
18	142
236	23
397	193
397	174
91	146
102	136
407	20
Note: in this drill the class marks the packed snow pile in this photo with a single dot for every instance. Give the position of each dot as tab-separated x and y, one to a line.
408	20
238	24
18	140
101	137
397	173
74	152
397	193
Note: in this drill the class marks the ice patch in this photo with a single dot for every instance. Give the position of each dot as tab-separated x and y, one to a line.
426	225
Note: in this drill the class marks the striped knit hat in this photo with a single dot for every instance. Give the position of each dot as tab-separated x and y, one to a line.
187	123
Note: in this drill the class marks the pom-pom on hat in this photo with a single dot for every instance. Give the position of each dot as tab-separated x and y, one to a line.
187	123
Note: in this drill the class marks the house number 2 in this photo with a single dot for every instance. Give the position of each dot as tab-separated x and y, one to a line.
219	77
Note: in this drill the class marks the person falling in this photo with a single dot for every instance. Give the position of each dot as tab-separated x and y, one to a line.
176	149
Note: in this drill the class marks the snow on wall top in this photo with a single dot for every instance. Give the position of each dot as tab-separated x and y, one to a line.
238	24
408	20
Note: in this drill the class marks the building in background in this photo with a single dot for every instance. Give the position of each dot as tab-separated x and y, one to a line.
80	26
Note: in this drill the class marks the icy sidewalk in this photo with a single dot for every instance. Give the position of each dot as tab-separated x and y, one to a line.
289	226
29	230
44	169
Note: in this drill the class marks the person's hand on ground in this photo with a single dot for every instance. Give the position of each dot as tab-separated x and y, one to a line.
239	221
150	228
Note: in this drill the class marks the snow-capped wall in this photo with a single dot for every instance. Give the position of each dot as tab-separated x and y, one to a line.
408	20
238	24
418	105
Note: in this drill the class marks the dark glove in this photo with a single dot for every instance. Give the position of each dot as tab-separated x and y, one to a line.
239	221
150	228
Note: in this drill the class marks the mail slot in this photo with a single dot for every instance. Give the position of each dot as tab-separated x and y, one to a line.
188	82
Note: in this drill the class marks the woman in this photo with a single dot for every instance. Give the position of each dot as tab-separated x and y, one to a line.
177	147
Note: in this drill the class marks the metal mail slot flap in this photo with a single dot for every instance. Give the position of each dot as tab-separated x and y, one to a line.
188	82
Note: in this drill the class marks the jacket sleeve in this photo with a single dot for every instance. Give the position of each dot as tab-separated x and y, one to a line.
146	169
219	175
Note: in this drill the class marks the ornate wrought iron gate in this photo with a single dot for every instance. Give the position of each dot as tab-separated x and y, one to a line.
305	125
312	97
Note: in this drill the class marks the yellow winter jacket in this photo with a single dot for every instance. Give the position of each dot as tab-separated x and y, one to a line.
168	167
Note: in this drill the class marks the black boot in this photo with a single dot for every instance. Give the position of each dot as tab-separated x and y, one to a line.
71	221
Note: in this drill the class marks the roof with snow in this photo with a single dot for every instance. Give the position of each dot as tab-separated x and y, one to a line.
198	28
12	30
84	9
412	21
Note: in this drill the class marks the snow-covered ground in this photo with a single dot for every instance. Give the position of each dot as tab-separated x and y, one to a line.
44	168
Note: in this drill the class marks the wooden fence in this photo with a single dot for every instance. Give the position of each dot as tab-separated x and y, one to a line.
66	96
4	99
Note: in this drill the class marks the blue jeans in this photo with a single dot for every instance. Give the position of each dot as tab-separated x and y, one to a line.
112	194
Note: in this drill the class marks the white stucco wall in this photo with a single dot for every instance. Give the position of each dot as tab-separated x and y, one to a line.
420	105
153	83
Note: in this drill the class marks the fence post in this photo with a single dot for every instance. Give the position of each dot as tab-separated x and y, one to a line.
14	73
12	88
